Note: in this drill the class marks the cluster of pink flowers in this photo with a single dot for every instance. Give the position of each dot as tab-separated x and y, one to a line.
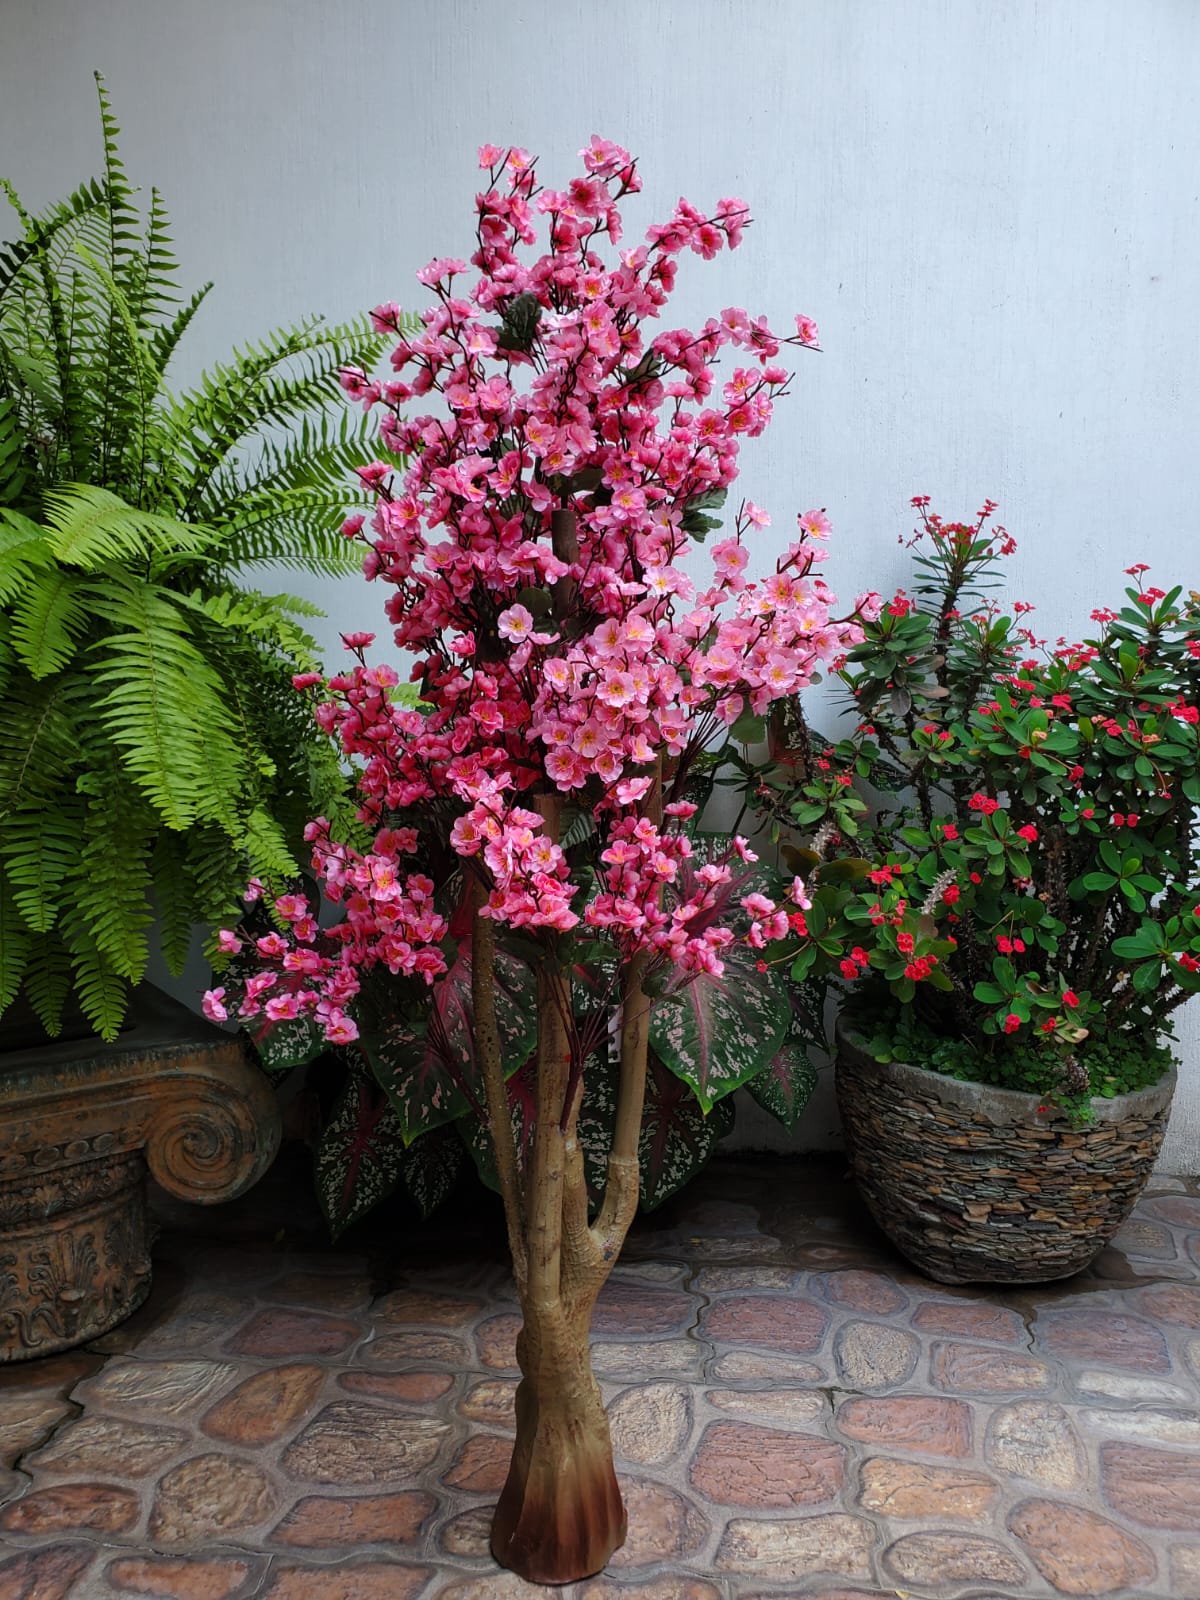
569	668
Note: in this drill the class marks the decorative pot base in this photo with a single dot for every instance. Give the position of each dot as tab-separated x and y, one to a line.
81	1126
974	1185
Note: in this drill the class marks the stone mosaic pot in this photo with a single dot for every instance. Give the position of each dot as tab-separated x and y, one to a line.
83	1124
974	1185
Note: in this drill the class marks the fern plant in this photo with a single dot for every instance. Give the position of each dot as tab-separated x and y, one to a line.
153	754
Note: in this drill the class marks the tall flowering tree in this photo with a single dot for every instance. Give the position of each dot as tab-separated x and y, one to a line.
572	668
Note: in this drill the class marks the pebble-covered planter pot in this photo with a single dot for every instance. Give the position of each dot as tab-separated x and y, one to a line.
975	1185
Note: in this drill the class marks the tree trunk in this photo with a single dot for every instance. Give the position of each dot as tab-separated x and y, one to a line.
560	1515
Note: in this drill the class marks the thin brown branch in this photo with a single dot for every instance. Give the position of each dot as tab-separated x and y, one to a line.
487	1042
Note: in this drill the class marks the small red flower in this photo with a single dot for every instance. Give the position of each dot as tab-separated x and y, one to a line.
1118	819
1088	811
904	943
1011	1022
848	969
760	966
975	878
951	893
1049	1027
1070	998
1028	832
949	831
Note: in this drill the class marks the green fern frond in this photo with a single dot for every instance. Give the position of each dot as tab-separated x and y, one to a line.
47	981
267	851
40	851
47	621
89	527
113	875
14	943
162	697
24	551
174	899
14	469
39	747
102	992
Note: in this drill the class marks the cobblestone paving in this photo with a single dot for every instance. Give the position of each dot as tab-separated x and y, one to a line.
795	1412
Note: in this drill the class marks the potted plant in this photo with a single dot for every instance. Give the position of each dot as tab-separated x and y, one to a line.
152	751
1015	922
149	731
573	677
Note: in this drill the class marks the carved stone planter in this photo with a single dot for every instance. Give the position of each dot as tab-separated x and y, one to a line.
975	1185
80	1126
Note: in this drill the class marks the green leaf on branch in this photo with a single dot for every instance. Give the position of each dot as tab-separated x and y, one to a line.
430	1168
358	1159
676	1139
785	1086
431	1074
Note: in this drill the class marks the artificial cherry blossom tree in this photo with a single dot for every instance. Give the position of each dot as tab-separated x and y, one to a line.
570	667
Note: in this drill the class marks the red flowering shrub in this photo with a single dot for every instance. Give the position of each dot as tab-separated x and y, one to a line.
1029	887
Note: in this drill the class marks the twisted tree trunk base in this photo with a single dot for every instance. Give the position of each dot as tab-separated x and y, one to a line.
560	1515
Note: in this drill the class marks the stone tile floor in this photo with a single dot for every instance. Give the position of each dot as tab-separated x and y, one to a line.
795	1412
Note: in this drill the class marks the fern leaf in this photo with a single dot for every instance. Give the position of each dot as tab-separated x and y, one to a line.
40	853
39	747
23	552
266	849
159	691
47	620
14	943
47	981
173	899
102	992
89	527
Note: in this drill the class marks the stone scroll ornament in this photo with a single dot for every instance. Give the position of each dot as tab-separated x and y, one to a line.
575	656
82	1126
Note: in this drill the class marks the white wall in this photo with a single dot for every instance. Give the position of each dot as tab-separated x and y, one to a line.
990	207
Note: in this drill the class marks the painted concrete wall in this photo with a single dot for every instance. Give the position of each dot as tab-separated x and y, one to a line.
990	206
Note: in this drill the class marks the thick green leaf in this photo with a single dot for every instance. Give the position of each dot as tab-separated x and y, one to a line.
430	1168
716	1033
785	1086
431	1073
677	1138
358	1159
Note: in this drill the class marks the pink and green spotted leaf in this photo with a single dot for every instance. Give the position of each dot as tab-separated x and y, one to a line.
785	1086
715	1033
430	1167
429	1070
280	1046
597	1113
677	1138
359	1155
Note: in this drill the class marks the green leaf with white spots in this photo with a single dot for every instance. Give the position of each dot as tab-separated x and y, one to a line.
785	1086
715	1033
430	1167
677	1138
522	1107
358	1159
429	1068
280	1046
